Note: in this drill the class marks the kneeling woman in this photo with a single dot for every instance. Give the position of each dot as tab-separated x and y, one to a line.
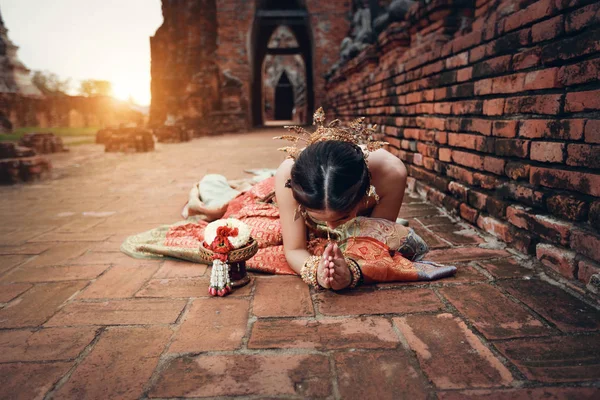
326	188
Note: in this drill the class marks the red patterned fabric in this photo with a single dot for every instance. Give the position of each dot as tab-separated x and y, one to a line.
262	218
377	262
256	209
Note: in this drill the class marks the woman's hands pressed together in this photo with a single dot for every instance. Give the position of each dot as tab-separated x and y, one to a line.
333	272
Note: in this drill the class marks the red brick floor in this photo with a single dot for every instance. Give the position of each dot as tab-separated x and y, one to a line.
80	320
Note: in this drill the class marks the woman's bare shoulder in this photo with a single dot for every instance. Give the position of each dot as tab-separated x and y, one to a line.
385	168
284	171
383	161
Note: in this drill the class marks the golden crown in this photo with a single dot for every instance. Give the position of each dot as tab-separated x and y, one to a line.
355	132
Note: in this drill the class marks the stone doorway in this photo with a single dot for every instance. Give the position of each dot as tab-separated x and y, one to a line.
273	16
284	99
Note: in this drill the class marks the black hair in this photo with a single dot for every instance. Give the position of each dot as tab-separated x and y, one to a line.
330	175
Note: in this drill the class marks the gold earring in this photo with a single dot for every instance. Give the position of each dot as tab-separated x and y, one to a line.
297	212
372	193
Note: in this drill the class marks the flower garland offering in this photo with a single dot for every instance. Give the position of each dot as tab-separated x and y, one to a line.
221	237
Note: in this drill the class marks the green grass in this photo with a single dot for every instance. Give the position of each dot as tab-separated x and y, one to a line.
62	132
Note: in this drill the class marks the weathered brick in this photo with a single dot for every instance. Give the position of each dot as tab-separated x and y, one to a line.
548	151
555	359
458	190
508	84
494	66
560	260
568	207
467	159
493	107
548	29
379	375
585	270
464	74
378	302
494	165
582	72
477	199
494	227
50	344
526	59
512	147
506	268
582	101
517	170
452	340
496	207
212	325
478	125
477	53
583	155
468	213
567	313
592	131
579	393
53	274
465	254
182	287
327	333
59	254
542	79
264	376
523	194
492	313
125	357
594	214
571	180
467	107
534	12
546	227
507	129
271	301
31	381
38	304
119	312
10	291
119	282
586	243
585	43
183	269
441	137
581	18
567	129
506	43
445	154
533	104
459	60
472	142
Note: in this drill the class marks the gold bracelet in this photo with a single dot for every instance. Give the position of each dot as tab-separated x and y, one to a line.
355	270
309	271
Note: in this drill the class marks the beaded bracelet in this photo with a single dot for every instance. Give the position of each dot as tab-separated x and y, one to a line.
309	271
355	270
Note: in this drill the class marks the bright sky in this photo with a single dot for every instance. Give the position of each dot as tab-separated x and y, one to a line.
87	39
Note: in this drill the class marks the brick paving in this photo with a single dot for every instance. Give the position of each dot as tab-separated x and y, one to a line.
80	320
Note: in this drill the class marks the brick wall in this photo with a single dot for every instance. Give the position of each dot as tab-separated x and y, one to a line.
494	107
